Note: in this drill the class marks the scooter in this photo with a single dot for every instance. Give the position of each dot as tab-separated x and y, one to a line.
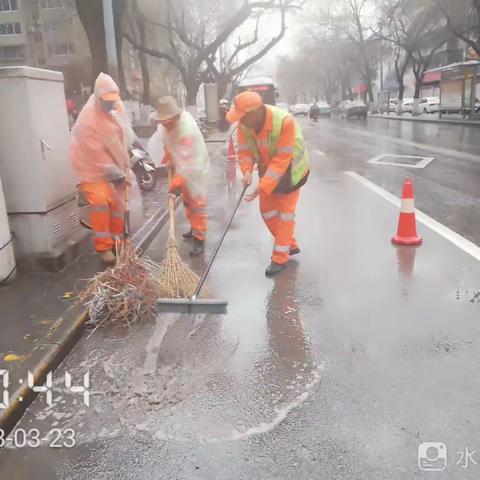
143	167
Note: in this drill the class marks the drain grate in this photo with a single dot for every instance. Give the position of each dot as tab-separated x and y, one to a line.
409	161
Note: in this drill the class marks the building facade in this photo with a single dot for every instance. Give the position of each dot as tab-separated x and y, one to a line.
44	34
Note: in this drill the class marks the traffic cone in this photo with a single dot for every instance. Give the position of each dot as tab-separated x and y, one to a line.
407	225
231	149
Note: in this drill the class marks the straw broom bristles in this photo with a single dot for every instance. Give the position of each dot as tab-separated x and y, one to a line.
124	293
176	279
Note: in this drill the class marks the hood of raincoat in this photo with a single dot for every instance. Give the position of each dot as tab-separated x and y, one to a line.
100	140
188	152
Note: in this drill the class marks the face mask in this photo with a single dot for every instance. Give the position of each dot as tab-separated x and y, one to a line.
107	106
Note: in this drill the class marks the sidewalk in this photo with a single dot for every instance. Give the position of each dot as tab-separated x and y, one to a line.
32	304
40	321
452	119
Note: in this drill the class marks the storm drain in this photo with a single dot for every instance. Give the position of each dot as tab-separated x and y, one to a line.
409	161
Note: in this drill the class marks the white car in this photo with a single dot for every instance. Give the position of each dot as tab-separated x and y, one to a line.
407	105
283	106
432	105
300	109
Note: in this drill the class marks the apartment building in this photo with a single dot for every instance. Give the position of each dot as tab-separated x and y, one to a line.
44	34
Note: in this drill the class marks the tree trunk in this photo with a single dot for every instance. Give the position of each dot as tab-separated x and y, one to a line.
90	13
350	93
416	95
122	84
146	96
223	81
370	92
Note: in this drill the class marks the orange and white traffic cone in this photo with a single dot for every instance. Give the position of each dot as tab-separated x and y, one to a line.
407	224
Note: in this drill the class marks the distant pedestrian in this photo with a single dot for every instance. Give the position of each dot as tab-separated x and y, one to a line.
270	138
187	153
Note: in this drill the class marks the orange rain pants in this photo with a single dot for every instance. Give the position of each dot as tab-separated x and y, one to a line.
278	213
195	207
106	213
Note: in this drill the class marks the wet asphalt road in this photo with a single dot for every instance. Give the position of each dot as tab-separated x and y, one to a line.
337	369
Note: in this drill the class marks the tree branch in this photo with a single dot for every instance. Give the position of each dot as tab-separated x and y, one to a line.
266	48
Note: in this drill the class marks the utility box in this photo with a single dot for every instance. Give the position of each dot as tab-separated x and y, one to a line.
211	102
38	181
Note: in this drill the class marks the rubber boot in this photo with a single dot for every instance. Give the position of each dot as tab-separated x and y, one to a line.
198	247
294	251
275	268
108	258
188	235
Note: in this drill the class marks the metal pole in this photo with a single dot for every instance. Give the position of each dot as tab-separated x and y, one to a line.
110	40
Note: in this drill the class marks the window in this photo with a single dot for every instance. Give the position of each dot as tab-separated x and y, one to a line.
8	5
51	3
10	28
61	49
12	53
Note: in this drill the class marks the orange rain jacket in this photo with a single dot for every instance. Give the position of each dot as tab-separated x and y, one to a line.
99	148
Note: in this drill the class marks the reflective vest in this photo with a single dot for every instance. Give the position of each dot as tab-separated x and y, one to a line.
298	169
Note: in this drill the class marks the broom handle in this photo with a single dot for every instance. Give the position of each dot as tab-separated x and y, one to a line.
126	214
171	216
217	247
171	210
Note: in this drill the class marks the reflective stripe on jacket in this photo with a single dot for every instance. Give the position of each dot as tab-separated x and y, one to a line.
279	152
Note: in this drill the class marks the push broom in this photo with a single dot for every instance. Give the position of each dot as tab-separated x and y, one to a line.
175	274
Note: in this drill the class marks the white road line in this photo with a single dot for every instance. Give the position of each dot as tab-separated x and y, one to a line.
319	153
461	242
422	146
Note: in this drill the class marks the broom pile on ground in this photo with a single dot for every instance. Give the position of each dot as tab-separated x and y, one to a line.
127	292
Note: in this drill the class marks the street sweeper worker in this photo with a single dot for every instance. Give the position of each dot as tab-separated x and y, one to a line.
186	152
270	138
99	156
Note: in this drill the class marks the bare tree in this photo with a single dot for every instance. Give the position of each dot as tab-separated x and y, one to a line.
463	20
349	20
196	32
90	13
416	33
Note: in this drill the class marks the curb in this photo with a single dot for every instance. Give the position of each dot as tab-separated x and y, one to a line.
62	337
474	123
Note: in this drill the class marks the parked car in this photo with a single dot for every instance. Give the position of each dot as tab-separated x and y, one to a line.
432	105
283	106
391	107
356	108
341	107
407	105
324	109
300	109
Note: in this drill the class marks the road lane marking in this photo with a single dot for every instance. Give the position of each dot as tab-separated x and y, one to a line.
421	163
453	237
422	146
319	153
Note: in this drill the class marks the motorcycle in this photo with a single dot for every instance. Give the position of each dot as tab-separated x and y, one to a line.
143	167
